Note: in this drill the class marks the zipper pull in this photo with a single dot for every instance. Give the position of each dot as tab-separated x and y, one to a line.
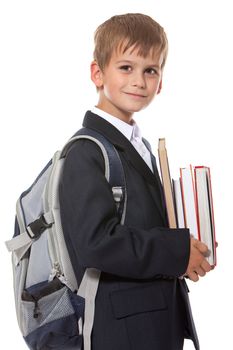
36	311
55	272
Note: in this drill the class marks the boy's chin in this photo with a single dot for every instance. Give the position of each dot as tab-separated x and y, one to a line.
137	109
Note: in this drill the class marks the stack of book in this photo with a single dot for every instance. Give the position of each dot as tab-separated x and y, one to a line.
189	201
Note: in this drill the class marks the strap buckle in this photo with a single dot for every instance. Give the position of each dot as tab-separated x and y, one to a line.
37	227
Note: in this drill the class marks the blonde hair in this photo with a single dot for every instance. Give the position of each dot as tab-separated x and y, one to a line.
134	30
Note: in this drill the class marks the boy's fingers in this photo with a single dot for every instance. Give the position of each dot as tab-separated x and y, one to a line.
206	266
200	271
202	247
193	276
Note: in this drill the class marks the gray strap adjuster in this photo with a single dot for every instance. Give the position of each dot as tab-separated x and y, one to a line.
117	194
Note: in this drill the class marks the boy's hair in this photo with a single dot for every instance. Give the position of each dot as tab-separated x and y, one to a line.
134	30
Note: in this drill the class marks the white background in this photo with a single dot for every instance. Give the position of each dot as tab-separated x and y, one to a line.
46	48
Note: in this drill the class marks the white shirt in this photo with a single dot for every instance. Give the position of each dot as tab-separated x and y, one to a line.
131	132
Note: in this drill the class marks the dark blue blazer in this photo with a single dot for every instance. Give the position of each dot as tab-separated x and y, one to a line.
141	303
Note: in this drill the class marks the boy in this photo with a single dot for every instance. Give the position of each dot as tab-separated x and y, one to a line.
142	302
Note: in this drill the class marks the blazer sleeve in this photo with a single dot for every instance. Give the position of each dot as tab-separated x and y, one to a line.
93	232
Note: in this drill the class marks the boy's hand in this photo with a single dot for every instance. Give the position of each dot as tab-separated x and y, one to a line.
198	265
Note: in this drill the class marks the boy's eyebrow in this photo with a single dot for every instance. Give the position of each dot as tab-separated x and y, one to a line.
124	61
131	62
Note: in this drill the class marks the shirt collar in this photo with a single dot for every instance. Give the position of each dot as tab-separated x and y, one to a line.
136	132
129	131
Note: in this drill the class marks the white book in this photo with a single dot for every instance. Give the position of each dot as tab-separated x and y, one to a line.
189	201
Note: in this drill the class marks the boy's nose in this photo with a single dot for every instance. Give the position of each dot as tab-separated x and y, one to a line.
138	80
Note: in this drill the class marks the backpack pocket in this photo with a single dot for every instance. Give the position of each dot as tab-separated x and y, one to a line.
52	317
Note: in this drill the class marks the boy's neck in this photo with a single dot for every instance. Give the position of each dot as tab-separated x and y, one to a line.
117	113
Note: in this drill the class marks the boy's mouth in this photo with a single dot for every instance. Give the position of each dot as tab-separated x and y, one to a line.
135	95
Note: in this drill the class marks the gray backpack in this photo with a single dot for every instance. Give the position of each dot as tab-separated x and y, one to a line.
53	312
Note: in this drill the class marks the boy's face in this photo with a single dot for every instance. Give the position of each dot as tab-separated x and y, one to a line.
128	83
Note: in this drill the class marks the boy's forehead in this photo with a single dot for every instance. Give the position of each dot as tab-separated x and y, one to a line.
154	55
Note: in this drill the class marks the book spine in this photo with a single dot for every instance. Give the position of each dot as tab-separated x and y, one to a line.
194	225
196	200
211	242
182	195
166	179
213	220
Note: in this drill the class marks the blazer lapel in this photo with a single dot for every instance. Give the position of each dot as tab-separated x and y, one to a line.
152	178
160	186
93	121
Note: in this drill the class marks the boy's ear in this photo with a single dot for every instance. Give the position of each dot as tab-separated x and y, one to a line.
96	74
160	86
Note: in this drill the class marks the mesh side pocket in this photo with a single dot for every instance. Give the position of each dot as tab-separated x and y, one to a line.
51	317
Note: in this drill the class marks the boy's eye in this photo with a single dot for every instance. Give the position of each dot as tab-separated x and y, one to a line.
126	68
151	71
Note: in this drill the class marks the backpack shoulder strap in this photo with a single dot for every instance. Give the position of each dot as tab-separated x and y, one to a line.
114	171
